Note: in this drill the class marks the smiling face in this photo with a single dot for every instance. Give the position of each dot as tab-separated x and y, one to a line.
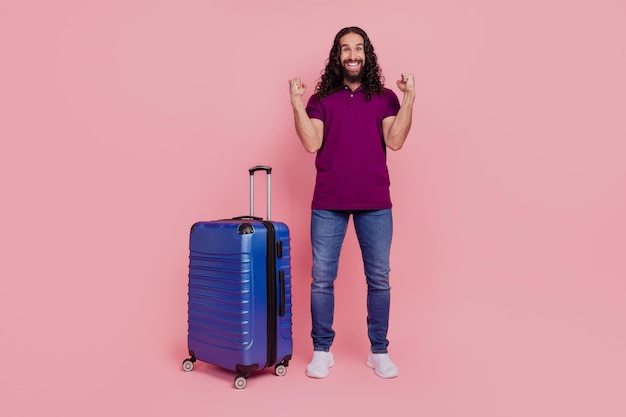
352	57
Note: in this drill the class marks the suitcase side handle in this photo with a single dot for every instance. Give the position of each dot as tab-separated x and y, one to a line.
268	171
281	281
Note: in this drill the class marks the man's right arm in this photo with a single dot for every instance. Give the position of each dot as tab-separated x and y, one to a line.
310	131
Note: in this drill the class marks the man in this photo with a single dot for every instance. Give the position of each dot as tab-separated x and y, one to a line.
350	121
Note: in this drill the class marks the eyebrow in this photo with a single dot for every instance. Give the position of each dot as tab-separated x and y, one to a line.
347	44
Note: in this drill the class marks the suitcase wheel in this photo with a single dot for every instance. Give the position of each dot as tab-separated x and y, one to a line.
241	381
280	370
188	364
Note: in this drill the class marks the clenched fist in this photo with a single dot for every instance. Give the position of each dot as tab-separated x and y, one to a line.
296	87
406	84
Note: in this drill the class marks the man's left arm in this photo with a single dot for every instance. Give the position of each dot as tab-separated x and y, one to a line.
396	128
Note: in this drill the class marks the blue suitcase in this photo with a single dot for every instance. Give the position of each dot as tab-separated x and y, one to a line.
239	307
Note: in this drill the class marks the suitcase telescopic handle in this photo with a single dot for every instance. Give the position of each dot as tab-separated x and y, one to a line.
268	171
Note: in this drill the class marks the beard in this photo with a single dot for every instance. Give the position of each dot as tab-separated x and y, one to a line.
352	77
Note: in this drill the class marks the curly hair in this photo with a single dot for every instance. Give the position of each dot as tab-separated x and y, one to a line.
332	76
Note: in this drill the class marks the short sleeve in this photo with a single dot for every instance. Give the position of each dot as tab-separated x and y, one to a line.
392	104
314	108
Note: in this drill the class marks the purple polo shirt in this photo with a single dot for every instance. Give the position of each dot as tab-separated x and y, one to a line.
352	162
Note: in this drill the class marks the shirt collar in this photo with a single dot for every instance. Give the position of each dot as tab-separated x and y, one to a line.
345	87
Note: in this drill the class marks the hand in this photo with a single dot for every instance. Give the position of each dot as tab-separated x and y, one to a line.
296	87
406	84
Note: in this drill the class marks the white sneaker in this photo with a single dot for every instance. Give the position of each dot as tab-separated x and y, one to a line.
318	368
383	367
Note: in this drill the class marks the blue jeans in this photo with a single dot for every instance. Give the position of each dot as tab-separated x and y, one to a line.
374	232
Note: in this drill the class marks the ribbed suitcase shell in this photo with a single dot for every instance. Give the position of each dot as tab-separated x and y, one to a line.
229	315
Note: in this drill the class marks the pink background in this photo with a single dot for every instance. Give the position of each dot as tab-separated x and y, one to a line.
123	122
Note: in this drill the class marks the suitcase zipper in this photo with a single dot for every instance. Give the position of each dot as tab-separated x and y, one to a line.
271	294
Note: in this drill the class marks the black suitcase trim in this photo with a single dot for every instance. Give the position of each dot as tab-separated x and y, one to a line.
272	311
